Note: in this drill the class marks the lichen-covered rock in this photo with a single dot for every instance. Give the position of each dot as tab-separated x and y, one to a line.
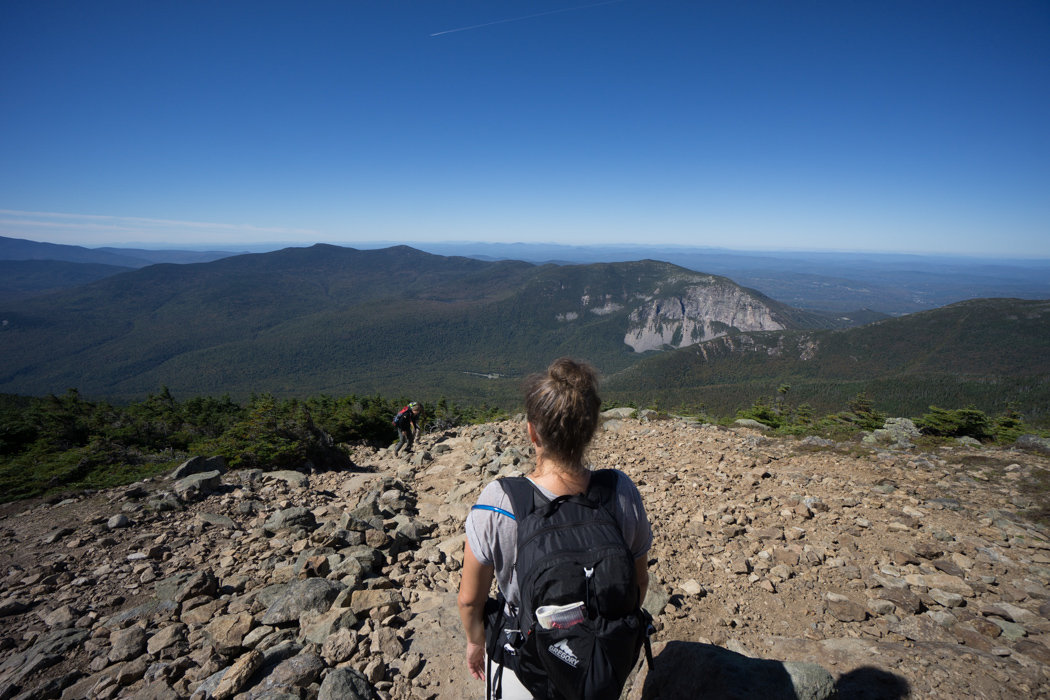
309	595
291	519
298	671
345	684
1034	442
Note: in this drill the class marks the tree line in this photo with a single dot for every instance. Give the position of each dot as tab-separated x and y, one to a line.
62	442
59	443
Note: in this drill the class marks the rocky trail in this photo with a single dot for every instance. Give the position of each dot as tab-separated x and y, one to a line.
781	567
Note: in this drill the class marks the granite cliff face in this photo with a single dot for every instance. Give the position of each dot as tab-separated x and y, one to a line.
699	313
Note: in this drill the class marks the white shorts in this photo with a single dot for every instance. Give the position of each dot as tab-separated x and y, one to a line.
512	687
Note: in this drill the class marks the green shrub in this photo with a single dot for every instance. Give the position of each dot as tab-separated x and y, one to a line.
276	436
763	413
863	414
959	422
1008	426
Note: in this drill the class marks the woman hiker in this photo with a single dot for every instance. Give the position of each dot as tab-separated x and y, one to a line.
562	407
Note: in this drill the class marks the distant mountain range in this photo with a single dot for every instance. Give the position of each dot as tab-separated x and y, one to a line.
21	249
835	282
337	320
333	319
32	268
891	283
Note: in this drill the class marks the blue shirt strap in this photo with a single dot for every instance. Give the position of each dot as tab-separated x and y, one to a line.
496	510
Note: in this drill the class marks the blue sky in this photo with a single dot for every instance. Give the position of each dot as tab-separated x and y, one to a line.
802	125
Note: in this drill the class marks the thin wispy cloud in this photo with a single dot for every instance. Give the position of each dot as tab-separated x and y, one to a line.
95	229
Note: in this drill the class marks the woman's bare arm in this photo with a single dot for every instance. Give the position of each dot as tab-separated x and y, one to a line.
473	592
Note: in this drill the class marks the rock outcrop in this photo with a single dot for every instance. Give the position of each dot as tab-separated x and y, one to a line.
700	313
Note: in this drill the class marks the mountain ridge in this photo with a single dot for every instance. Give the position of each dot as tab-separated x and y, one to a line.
311	314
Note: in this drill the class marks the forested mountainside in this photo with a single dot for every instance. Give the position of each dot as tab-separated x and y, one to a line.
24	279
991	352
331	319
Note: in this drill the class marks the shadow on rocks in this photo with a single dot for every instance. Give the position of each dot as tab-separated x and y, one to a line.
870	683
695	671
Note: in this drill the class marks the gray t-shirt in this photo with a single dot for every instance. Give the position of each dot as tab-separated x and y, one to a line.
493	537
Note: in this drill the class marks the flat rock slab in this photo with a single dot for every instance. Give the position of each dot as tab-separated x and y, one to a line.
920	628
198	465
951	584
216	520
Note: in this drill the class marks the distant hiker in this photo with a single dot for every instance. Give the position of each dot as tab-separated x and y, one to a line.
406	421
568	548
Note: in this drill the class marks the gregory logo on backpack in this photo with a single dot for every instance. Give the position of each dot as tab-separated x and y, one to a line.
563	652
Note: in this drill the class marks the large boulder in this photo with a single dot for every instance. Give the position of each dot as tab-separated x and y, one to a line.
297	518
201	583
309	595
127	643
364	601
197	486
345	684
623	412
901	430
290	675
1035	443
317	628
226	633
198	465
237	675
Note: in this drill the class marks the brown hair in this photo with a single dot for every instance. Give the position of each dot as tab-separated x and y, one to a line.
562	405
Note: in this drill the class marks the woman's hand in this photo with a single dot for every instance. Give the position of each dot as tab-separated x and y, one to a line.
473	591
476	660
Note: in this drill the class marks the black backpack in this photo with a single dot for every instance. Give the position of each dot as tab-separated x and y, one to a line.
570	550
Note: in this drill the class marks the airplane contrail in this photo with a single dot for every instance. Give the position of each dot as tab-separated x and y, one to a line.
538	14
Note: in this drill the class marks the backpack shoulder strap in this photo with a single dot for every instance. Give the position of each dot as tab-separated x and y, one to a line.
602	487
523	494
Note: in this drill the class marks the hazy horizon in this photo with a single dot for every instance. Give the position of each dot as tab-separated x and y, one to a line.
424	245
